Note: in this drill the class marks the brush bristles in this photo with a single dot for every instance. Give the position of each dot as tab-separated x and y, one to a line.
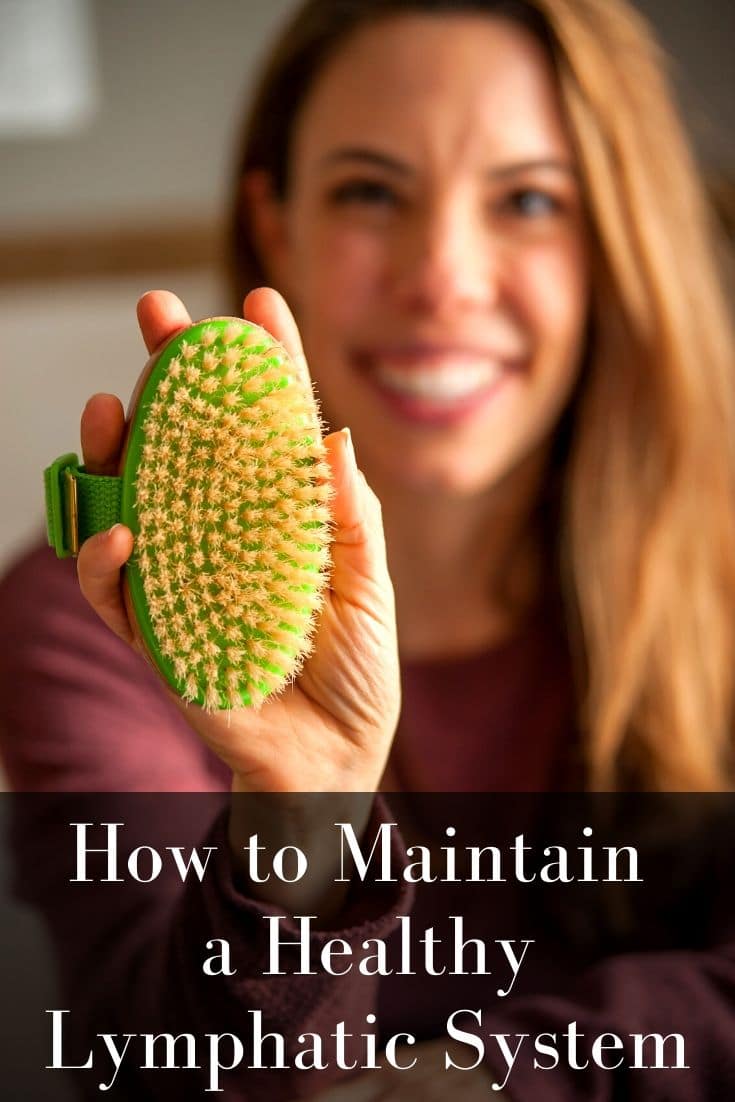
232	497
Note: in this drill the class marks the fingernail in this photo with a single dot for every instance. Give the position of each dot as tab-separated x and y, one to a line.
109	531
348	439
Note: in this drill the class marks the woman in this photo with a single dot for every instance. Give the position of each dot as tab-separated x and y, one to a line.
487	224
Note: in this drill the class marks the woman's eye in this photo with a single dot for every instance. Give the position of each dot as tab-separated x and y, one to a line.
369	192
531	203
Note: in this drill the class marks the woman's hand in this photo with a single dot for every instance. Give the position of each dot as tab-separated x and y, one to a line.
332	729
428	1080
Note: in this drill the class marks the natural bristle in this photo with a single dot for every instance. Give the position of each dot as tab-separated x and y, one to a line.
231	503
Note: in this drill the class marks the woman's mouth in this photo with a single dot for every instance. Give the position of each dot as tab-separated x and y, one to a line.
435	386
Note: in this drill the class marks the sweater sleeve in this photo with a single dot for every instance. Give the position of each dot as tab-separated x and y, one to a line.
78	707
648	1027
646	1011
131	955
89	736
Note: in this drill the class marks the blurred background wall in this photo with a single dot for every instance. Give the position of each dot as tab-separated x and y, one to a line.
117	123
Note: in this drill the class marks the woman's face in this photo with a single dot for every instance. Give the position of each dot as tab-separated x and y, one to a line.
432	246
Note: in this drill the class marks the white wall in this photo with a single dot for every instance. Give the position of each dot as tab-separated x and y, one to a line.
172	76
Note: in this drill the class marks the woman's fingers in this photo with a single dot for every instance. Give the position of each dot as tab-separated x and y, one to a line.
266	307
102	427
98	566
161	315
358	550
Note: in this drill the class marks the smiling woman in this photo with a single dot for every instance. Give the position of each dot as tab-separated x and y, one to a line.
490	284
437	269
478	213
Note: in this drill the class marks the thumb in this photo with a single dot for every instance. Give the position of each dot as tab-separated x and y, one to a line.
358	549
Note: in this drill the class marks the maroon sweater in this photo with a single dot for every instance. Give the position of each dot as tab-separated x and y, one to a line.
81	713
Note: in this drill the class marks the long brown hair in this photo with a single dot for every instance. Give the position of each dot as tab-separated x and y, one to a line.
646	531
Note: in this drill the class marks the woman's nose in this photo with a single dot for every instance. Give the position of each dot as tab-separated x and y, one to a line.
444	261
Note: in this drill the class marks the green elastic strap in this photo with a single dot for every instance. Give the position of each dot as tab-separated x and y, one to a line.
78	504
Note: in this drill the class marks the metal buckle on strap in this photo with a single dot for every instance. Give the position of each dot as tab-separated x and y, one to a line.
62	505
72	512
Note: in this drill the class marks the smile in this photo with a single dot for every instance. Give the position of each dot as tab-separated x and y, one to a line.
436	385
447	383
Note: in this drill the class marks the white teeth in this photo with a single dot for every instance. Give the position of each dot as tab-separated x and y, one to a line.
439	384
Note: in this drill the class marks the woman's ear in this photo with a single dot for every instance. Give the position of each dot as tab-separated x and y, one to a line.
266	215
